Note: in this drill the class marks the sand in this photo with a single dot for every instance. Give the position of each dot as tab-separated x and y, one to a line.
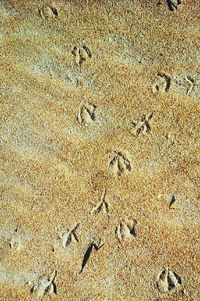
99	150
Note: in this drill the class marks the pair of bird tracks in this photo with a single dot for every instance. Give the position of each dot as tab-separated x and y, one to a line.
47	284
119	163
164	83
50	10
167	281
126	230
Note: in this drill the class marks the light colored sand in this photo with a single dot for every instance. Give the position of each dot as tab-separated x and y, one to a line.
99	146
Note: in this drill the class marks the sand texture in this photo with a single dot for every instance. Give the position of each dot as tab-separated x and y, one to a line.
100	140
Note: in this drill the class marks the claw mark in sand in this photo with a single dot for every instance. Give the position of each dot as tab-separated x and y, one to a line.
191	84
48	11
172	201
126	230
102	205
142	126
162	84
68	237
167	281
120	164
173	4
45	285
81	54
16	242
87	114
92	246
